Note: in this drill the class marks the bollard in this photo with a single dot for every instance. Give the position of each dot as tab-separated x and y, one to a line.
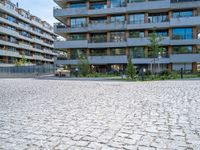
181	73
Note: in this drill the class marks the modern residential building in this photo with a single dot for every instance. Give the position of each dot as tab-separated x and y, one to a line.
107	31
23	35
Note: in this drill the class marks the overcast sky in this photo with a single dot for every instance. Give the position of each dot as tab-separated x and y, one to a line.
40	8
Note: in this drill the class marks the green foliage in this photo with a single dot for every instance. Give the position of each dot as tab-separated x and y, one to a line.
131	72
154	46
84	66
22	61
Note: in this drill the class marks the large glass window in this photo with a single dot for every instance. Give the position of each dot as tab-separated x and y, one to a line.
77	37
117	36
98	52
178	14
182	49
78	22
157	18
117	51
96	20
162	33
98	5
182	33
136	18
77	53
137	52
153	54
136	34
117	3
99	37
77	5
117	18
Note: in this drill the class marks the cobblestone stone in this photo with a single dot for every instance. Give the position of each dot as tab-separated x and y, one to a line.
102	115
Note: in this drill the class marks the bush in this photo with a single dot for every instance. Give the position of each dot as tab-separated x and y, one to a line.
165	73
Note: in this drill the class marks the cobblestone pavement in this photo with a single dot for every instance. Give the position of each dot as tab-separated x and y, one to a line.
57	115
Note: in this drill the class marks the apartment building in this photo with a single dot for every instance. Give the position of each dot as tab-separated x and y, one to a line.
23	35
107	31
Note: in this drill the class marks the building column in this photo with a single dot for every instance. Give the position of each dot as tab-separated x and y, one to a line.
170	67
170	50
146	52
169	14
108	36
194	67
127	51
194	32
108	51
108	3
146	17
146	33
88	4
68	54
170	33
87	52
194	49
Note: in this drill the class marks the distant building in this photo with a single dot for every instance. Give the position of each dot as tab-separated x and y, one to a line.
107	31
24	35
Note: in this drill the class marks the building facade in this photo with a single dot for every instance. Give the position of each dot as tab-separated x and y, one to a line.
107	31
23	35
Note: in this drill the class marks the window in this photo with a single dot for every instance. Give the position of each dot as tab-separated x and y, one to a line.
117	18
117	36
96	20
136	18
98	52
77	5
137	52
98	5
182	49
77	53
78	22
162	33
157	18
178	14
136	34
182	33
117	3
77	37
117	51
97	38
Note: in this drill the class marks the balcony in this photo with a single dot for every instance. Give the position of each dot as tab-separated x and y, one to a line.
185	42
182	58
148	5
107	44
9	53
150	60
185	21
121	59
178	4
71	44
72	12
148	25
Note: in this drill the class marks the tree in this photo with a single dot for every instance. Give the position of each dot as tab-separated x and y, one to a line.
84	66
155	48
130	68
22	61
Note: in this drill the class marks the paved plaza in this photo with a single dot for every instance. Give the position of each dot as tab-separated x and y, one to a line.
105	115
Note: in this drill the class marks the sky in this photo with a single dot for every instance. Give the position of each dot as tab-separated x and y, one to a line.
40	8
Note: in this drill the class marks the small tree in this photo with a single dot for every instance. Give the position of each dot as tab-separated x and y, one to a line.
22	61
130	68
84	66
154	45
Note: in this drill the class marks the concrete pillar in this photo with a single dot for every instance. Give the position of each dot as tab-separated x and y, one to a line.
194	49
108	3
146	52
194	67
108	52
195	12
88	4
108	36
170	14
170	50
88	37
127	51
146	33
170	33
68	54
194	32
170	67
126	18
146	18
88	52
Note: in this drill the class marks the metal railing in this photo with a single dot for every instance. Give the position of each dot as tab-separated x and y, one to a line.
28	69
